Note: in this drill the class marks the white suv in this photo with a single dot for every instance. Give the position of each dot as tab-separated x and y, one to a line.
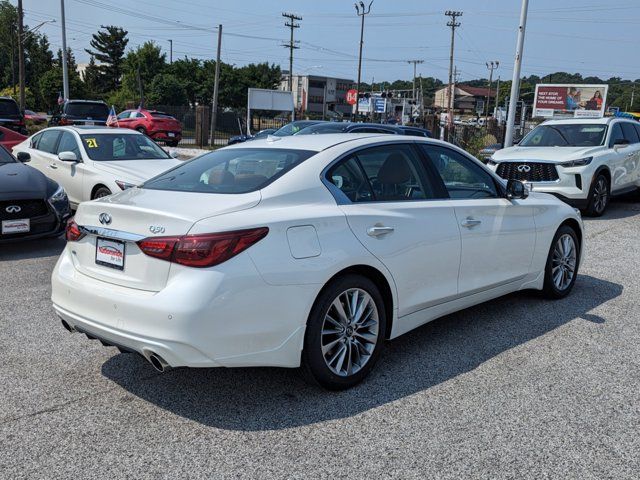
581	161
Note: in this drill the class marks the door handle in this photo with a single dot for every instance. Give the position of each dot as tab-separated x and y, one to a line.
630	154
53	165
379	231
470	223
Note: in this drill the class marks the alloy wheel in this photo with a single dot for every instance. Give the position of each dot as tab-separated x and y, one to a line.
600	195
350	332
563	266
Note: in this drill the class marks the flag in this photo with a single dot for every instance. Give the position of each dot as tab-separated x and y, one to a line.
112	118
60	99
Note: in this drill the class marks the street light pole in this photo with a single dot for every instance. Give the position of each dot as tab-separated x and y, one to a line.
21	73
65	73
451	102
170	51
415	62
515	83
361	11
216	86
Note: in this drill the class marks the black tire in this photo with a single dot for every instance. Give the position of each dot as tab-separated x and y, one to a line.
101	192
172	143
314	365
550	289
599	195
142	130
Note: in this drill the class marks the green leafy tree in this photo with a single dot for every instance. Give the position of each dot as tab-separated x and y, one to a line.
39	60
91	79
8	44
166	89
50	83
149	61
192	74
108	47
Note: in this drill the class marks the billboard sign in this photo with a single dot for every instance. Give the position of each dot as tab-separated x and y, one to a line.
379	105
364	105
565	100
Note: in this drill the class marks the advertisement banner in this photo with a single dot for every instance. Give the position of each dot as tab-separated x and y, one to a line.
364	105
565	100
379	105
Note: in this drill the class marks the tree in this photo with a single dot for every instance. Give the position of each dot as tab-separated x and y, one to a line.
146	59
166	89
109	46
91	79
8	44
192	75
50	83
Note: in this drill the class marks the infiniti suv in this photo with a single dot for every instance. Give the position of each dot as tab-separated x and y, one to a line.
582	161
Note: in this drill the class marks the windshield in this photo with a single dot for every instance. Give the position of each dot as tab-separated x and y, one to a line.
108	147
5	157
566	135
292	128
230	171
9	108
323	128
86	110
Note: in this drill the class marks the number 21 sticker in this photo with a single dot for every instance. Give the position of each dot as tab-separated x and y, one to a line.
91	142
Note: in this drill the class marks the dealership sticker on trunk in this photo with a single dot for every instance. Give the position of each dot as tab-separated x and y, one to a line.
110	253
16	226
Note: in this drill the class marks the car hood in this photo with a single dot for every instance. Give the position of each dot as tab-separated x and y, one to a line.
136	171
21	181
549	154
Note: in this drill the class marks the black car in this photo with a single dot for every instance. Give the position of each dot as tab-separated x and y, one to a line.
353	127
80	112
245	138
414	131
31	205
10	115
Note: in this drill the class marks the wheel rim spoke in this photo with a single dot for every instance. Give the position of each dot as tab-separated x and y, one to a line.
563	262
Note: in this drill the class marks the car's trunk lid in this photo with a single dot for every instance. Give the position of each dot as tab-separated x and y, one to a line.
141	213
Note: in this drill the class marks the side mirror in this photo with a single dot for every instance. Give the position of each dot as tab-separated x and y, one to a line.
173	154
68	157
23	157
620	142
516	190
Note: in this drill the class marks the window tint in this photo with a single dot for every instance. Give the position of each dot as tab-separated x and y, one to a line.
34	140
392	171
565	135
236	170
616	134
370	130
68	144
48	141
5	156
86	110
9	108
349	178
121	146
124	115
462	177
137	115
630	132
637	127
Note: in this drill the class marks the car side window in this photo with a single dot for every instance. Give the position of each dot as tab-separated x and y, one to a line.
462	177
629	132
637	127
616	134
34	141
124	115
68	143
137	115
349	177
370	130
48	141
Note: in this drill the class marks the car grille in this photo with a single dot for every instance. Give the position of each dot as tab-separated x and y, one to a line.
536	171
28	209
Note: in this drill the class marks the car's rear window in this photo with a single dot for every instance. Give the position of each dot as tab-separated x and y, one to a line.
9	108
234	170
85	110
161	115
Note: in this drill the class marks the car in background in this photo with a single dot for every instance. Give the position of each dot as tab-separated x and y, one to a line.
80	112
354	127
294	127
31	205
93	162
10	116
245	138
582	161
158	125
485	153
362	237
10	138
35	118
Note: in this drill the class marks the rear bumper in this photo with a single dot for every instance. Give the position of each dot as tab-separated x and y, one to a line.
165	136
201	318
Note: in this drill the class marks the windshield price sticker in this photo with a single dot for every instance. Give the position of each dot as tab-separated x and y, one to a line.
91	142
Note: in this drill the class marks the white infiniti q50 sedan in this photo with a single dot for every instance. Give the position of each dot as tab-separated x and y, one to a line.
306	251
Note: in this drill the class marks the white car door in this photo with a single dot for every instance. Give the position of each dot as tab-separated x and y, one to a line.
622	153
43	154
498	235
391	210
71	174
631	155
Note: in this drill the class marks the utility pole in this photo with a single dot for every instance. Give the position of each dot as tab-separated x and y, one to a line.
490	66
291	45
13	58
65	73
633	94
216	84
170	51
361	11
453	24
515	83
415	62
497	94
21	54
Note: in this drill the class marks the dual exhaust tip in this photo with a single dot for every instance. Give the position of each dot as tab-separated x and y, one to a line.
154	359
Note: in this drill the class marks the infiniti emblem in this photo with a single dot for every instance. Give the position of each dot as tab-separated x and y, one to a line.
524	168
104	218
13	209
156	229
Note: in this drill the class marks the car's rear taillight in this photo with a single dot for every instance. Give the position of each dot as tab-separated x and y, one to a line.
73	232
203	250
64	121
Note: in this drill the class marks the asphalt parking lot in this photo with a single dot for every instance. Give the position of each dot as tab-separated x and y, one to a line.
515	388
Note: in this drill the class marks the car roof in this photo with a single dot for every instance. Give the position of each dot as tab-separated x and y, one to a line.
84	129
587	121
84	101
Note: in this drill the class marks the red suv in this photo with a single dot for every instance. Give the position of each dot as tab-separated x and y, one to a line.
157	125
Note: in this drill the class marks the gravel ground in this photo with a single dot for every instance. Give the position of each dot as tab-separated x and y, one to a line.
515	388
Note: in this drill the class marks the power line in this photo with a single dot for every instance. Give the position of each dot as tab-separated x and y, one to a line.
453	24
291	45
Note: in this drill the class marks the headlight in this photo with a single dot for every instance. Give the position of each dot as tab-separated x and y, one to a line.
59	195
581	162
124	185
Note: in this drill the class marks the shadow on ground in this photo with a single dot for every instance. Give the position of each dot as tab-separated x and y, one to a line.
26	249
269	398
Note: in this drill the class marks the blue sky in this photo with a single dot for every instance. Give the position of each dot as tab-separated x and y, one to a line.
589	36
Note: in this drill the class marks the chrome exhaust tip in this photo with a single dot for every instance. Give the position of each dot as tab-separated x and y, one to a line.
158	363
